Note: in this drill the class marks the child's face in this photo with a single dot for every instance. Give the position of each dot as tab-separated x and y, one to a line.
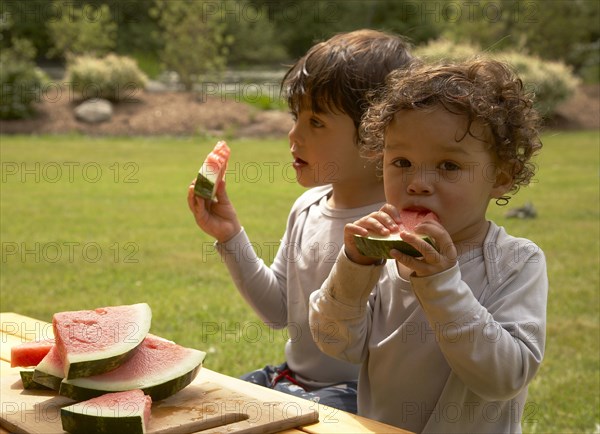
324	149
424	167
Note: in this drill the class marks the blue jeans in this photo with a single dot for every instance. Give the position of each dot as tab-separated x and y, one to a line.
341	395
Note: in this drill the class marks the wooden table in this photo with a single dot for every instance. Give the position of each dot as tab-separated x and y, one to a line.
16	328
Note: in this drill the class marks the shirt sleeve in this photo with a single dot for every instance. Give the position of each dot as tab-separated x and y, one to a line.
263	287
339	315
495	348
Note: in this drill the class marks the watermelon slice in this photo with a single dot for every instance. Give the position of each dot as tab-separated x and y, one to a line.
50	371
92	342
159	367
212	172
122	412
376	246
30	353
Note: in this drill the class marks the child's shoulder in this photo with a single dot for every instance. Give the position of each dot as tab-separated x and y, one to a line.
504	249
310	197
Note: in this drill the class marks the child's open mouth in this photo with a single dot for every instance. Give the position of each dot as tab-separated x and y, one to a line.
299	163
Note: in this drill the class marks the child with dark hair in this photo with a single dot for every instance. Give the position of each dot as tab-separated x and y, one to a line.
448	341
326	92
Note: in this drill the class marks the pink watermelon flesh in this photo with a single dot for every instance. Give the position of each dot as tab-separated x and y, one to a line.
212	171
95	341
30	353
159	367
410	219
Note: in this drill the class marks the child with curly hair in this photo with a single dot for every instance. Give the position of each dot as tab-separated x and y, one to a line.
326	92
448	341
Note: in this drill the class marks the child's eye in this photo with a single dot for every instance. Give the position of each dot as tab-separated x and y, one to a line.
294	116
401	162
449	165
316	123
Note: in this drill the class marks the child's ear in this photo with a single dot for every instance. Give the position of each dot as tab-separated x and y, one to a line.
504	182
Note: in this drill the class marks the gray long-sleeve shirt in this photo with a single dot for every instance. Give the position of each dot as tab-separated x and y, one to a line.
279	293
452	352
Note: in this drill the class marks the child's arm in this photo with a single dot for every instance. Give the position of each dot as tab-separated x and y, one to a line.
218	219
262	287
339	315
495	342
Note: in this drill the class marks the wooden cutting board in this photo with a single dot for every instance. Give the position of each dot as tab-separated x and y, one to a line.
203	406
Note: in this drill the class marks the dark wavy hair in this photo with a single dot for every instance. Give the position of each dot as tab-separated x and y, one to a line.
335	75
483	90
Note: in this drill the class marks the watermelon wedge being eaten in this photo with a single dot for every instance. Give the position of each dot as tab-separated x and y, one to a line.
212	171
30	353
376	246
159	367
92	342
122	412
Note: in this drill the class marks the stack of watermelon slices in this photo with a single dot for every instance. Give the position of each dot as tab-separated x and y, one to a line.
107	351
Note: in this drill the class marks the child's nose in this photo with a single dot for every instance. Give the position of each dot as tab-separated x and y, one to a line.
420	182
294	134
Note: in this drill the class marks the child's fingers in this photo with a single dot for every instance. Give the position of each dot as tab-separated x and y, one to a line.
191	198
222	197
378	222
434	260
440	236
392	211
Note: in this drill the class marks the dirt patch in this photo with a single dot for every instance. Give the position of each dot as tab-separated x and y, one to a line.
179	113
162	113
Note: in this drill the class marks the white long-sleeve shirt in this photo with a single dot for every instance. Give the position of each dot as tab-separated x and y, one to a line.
452	352
279	293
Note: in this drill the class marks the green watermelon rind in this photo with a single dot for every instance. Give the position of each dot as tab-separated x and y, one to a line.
81	389
378	247
46	379
99	362
82	418
204	187
87	368
77	423
30	384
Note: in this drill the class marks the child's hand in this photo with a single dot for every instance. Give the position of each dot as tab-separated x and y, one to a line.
433	261
218	219
382	222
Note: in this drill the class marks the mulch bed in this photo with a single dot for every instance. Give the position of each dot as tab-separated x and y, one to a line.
163	113
180	113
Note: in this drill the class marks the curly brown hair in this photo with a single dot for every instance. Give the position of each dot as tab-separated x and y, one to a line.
486	91
335	75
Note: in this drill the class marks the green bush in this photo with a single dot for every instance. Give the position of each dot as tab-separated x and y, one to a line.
113	77
22	82
552	82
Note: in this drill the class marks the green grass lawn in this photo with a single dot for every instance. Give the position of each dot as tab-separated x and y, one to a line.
88	222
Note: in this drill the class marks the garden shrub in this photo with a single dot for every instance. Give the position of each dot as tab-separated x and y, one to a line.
552	82
21	80
113	77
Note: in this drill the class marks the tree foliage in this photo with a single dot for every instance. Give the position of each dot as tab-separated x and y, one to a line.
194	40
565	30
269	31
83	31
